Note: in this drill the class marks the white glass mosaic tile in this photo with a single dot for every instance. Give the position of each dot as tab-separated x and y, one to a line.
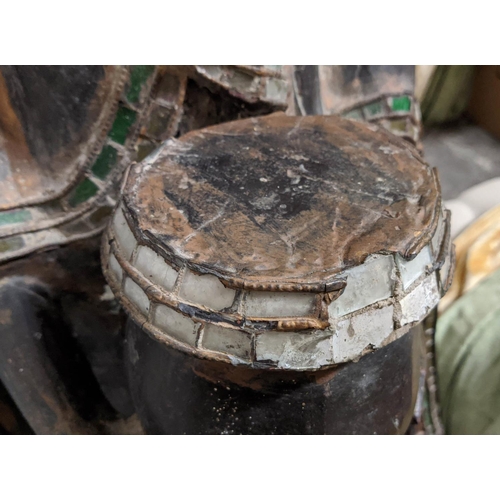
227	340
124	235
175	324
154	268
278	304
366	284
206	290
353	335
115	268
411	270
295	350
134	292
417	304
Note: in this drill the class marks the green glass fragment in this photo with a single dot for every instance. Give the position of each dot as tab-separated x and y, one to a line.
123	121
52	206
144	148
373	109
354	114
399	125
402	103
138	76
11	244
160	123
168	89
15	217
105	162
100	215
85	190
77	226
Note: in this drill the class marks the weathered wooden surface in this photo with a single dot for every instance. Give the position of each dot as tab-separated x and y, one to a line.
282	200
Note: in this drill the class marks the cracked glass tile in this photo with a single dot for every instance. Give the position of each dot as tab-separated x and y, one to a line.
175	324
136	295
206	290
366	284
411	270
365	330
124	236
417	304
278	304
154	268
227	340
291	350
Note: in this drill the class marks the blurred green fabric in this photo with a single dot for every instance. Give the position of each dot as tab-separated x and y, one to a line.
468	360
447	94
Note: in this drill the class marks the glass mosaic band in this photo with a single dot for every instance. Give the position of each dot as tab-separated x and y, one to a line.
148	112
250	83
383	298
77	213
400	114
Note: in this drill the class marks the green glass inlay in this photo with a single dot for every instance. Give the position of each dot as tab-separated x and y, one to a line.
85	190
144	148
402	103
100	215
74	227
160	121
15	217
374	108
398	125
354	114
11	244
123	121
52	207
105	162
138	76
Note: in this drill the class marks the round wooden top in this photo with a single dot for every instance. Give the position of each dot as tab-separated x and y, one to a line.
282	202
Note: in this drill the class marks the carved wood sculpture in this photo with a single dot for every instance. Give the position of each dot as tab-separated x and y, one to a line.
66	136
263	261
251	271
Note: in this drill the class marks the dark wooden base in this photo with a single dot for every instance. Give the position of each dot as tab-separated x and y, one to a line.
178	394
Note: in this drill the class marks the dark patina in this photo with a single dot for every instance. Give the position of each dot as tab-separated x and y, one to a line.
251	201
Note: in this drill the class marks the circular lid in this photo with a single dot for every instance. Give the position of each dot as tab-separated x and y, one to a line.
311	226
